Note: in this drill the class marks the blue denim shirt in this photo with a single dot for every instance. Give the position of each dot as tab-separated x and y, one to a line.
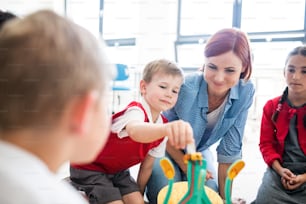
192	106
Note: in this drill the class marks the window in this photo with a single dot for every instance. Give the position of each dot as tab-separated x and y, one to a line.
272	55
267	15
205	16
191	56
120	19
125	54
85	13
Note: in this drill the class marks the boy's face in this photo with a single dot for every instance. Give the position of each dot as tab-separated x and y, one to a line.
162	92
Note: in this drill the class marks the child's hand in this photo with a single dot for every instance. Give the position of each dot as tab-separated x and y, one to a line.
286	174
179	133
238	201
209	175
293	183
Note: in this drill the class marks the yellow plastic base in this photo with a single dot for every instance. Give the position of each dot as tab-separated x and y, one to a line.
180	189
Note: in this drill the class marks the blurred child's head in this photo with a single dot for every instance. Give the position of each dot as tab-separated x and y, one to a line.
5	16
46	63
160	84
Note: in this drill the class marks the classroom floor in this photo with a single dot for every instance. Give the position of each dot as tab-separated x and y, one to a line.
246	183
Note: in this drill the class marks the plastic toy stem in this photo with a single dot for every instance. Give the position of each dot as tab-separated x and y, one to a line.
196	177
232	172
169	172
228	183
203	198
170	184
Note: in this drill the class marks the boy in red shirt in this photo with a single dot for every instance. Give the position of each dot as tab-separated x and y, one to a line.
138	135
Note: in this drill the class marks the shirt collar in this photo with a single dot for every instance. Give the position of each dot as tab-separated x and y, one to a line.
146	106
234	91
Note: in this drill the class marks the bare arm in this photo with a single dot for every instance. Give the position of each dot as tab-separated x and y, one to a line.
284	173
277	167
145	172
145	132
179	132
222	174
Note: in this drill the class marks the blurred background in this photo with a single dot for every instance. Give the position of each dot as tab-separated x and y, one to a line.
138	31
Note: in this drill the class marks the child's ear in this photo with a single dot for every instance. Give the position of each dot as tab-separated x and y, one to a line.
82	112
142	86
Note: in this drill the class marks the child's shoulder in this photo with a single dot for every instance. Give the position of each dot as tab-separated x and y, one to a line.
132	104
272	103
274	100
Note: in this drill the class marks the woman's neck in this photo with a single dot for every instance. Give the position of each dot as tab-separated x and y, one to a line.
215	101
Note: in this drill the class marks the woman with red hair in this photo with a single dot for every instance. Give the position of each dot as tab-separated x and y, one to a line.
215	102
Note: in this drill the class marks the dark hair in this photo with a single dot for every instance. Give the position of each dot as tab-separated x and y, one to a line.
231	39
5	16
279	105
300	50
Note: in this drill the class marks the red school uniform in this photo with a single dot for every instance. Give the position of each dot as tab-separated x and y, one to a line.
121	153
272	136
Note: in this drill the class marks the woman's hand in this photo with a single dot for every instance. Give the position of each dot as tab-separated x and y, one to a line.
209	175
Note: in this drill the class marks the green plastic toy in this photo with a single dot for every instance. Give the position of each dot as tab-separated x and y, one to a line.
169	172
196	176
232	172
196	173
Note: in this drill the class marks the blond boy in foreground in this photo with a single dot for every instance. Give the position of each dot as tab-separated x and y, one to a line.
53	78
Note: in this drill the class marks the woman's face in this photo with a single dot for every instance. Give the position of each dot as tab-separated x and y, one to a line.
222	72
295	74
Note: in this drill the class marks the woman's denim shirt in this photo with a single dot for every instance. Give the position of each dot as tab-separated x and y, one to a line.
192	106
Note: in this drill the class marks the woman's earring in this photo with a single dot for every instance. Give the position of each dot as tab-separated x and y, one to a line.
201	69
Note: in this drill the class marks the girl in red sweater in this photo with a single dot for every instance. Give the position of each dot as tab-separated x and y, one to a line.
283	137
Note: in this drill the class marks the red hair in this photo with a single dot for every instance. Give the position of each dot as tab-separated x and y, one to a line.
231	39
